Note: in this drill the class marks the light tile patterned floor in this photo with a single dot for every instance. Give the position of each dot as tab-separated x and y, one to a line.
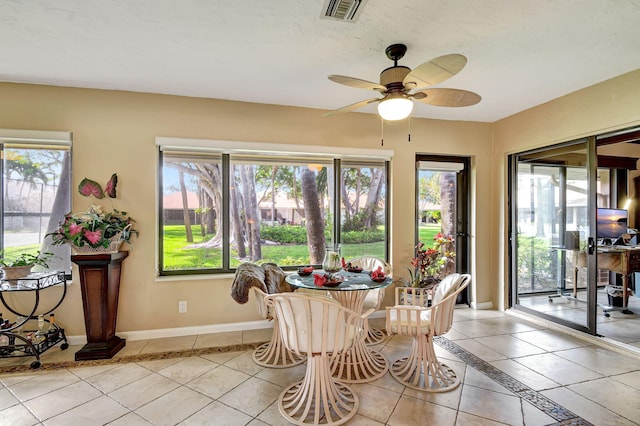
514	372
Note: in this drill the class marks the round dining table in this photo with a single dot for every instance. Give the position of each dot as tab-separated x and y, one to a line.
361	363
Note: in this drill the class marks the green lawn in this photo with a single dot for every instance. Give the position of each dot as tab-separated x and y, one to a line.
14	252
177	257
427	232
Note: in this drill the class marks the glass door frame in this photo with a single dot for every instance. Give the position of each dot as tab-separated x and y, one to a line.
463	211
591	269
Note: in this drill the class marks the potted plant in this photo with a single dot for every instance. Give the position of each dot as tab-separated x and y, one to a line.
430	264
21	266
95	231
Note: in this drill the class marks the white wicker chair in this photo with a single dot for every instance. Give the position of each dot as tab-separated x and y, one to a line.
374	297
272	354
318	327
421	369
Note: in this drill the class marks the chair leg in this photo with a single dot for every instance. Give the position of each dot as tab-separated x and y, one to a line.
421	370
318	399
374	336
274	354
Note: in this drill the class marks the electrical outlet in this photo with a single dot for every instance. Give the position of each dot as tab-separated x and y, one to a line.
182	307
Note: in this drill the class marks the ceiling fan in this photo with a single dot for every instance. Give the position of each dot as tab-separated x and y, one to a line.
398	82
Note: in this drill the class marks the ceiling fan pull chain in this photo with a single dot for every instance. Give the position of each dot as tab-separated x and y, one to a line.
409	133
381	131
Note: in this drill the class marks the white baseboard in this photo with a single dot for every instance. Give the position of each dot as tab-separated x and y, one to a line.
181	331
482	305
192	331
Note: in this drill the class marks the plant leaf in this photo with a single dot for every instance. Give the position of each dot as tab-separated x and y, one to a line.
90	187
110	188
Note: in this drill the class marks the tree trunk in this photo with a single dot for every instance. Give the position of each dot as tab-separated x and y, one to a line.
185	209
313	216
348	207
294	188
373	196
236	222
202	211
209	214
252	220
448	202
274	219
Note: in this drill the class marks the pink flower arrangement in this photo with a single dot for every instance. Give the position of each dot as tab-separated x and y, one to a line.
93	228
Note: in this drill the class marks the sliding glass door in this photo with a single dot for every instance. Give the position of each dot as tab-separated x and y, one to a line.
552	203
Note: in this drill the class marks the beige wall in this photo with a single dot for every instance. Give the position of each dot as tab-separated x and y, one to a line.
115	132
613	104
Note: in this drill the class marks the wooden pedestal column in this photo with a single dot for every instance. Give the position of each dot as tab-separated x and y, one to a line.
100	285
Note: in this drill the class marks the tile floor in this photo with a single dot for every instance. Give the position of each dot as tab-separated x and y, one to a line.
514	371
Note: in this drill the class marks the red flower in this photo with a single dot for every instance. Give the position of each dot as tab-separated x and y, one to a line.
93	236
74	229
319	280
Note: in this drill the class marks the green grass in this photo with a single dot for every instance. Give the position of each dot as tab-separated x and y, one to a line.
427	232
177	257
16	251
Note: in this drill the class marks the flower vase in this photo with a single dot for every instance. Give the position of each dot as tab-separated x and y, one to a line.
416	296
332	259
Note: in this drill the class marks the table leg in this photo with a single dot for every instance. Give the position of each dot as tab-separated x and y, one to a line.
360	364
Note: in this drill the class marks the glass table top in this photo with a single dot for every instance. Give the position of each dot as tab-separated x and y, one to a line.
351	281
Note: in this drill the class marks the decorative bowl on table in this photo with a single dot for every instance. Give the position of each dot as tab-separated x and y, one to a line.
377	276
333	280
327	280
354	268
305	271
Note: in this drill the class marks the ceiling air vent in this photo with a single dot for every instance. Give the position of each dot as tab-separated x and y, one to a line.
342	10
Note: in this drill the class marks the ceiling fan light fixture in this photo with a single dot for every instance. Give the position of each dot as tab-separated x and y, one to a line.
395	107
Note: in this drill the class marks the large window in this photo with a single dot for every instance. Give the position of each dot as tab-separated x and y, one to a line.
221	207
35	187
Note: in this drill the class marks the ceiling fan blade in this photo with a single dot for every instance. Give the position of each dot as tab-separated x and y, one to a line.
447	97
357	83
351	107
435	71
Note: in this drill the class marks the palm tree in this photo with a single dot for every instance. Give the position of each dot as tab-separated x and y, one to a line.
313	216
448	203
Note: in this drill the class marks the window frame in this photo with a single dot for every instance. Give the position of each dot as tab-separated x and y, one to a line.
35	139
228	150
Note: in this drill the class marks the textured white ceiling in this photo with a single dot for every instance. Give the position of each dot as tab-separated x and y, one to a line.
520	53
